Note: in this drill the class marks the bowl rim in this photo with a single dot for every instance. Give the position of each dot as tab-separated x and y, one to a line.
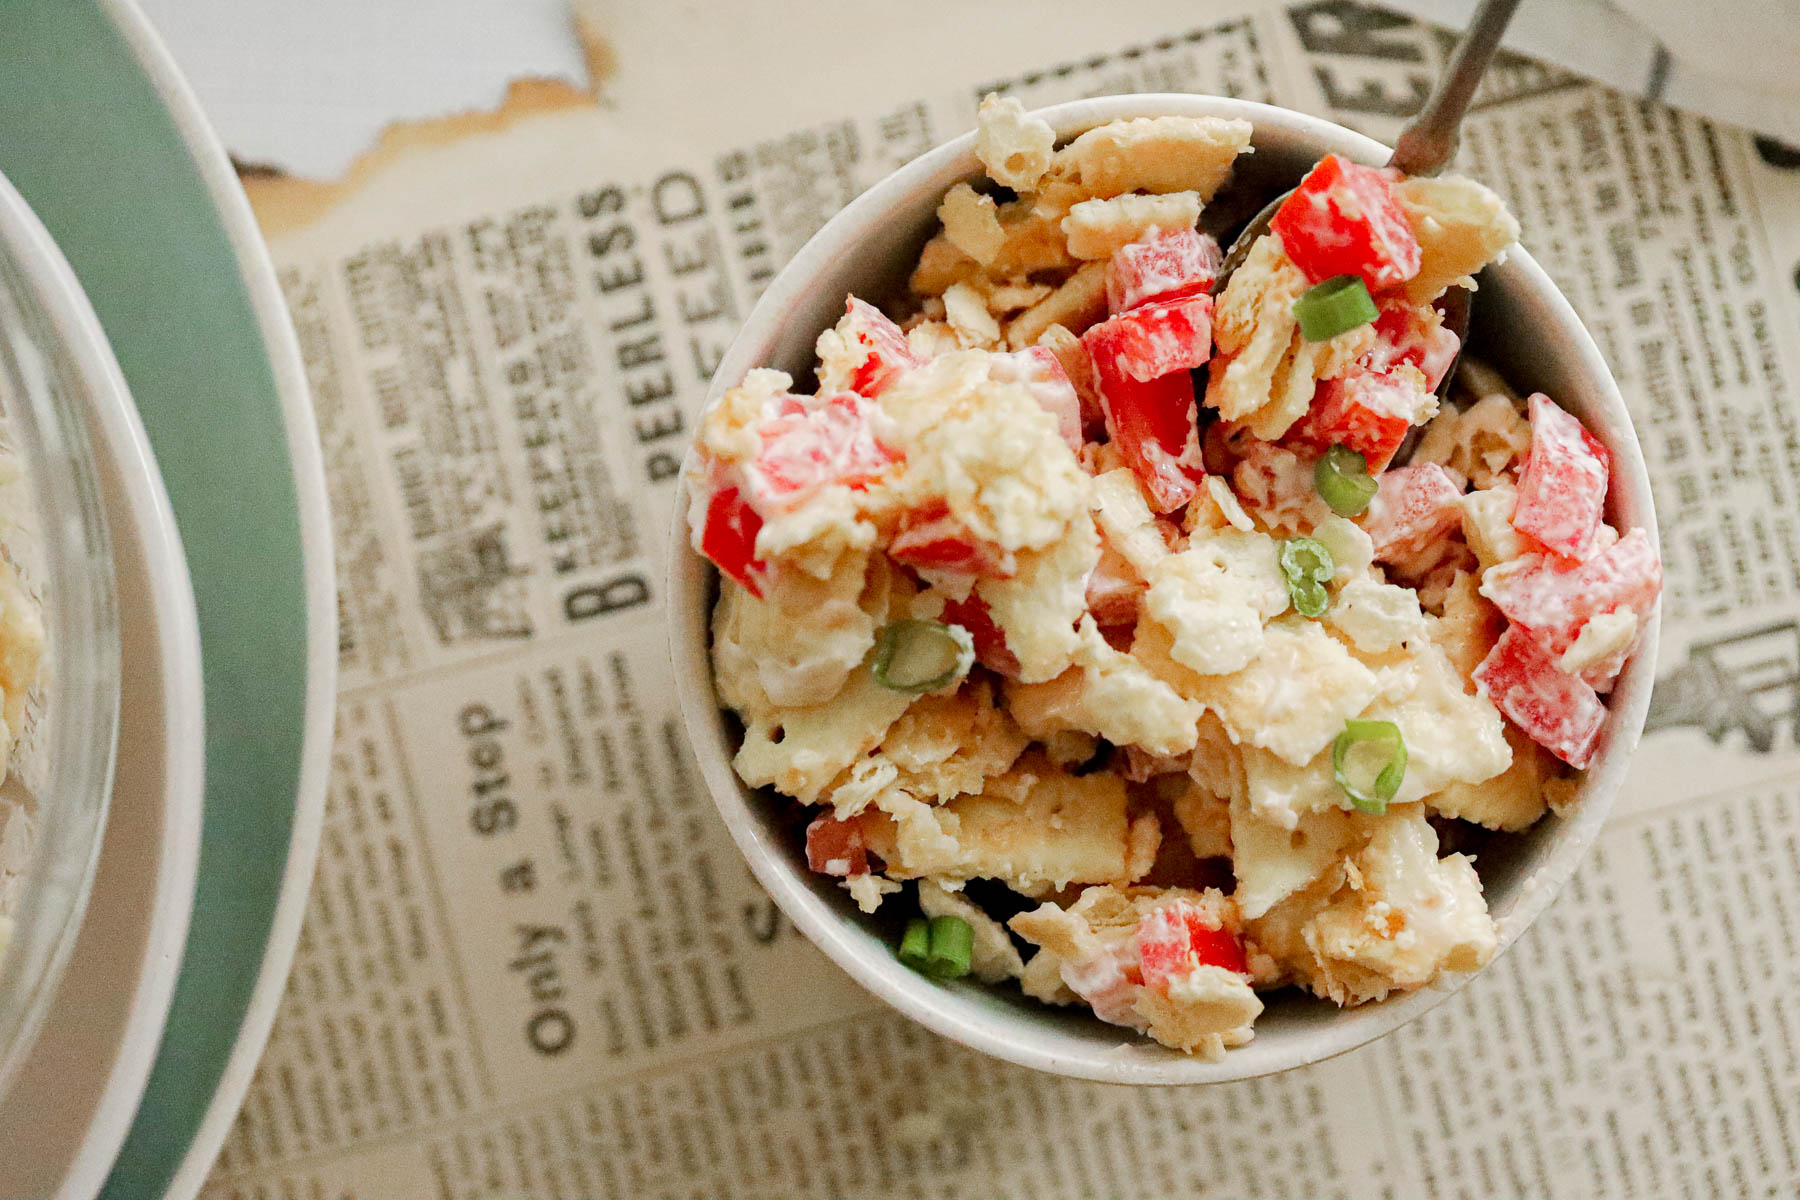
688	578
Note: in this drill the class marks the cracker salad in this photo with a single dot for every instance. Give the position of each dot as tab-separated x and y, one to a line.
1147	638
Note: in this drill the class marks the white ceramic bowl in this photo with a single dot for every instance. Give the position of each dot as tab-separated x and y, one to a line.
1522	324
54	368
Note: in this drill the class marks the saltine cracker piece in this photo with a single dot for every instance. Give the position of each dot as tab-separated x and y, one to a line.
761	666
1215	597
1390	918
1015	147
1264	372
1035	828
945	745
1078	302
1155	154
972	223
800	751
1511	800
1461	226
1295	696
1271	861
1483	443
1109	694
966	309
1097	228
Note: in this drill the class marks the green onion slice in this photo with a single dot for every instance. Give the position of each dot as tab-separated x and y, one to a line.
915	944
1308	566
952	946
1342	479
1340	303
921	656
1371	743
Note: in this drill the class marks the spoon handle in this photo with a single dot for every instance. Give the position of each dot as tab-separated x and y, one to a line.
1428	142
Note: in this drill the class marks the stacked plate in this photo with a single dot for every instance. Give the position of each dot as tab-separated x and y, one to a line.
135	1007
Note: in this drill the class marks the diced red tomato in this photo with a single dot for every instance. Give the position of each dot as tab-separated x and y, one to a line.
886	354
835	847
1153	340
1178	937
1344	219
1113	590
1559	712
1038	369
1413	507
1153	424
935	540
1562	486
729	538
810	442
974	615
1552	600
1412	333
1163	266
1368	410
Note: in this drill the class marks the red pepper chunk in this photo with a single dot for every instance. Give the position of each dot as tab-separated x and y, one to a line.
1178	937
935	540
886	354
1369	411
1152	422
812	442
1344	219
1153	340
1412	333
1562	486
729	538
1162	266
835	847
1043	376
974	615
1413	507
1552	600
1559	712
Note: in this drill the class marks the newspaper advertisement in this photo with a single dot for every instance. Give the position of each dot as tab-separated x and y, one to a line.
534	964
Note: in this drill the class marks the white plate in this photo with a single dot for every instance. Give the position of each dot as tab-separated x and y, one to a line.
73	1099
107	143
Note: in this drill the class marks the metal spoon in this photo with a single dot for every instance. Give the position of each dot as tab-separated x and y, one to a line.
1425	147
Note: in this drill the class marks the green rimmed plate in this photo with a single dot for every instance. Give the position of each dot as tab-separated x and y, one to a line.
107	144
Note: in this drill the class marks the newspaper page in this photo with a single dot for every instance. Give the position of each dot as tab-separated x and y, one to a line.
534	964
1730	69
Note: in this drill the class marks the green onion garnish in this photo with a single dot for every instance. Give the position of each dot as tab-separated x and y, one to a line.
921	656
915	943
952	945
940	947
1372	742
1308	566
1330	308
1342	480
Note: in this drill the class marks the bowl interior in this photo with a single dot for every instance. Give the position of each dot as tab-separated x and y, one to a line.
53	366
869	249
